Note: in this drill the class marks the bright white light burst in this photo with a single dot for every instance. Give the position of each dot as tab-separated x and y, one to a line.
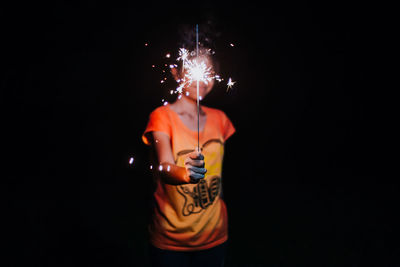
230	84
183	54
198	71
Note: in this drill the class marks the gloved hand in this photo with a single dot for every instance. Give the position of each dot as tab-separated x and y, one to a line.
194	164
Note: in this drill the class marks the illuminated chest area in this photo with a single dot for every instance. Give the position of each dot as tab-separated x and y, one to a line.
213	151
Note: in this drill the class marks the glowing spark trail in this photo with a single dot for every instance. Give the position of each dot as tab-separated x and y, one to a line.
183	54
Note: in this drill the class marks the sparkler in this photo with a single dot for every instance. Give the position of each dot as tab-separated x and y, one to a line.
194	69
199	73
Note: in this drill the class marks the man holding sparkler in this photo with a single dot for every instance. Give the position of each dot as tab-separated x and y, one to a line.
189	226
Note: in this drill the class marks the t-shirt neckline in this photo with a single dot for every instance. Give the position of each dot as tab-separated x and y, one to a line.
184	125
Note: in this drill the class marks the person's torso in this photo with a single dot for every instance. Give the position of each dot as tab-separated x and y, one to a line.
192	214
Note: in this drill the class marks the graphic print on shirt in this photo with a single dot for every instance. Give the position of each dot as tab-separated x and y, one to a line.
201	195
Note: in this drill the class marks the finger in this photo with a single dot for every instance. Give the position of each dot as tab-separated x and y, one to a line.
190	161
200	156
193	155
196	156
196	176
196	163
198	170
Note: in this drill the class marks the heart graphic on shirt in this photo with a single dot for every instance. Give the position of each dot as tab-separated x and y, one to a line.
187	151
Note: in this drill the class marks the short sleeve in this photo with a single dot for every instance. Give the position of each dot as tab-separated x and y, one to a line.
228	128
158	122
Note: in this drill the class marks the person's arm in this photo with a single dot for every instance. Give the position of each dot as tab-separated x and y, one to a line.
169	172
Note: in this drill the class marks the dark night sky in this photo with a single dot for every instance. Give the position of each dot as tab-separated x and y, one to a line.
306	180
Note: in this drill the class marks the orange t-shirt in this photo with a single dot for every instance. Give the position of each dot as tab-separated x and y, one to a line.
191	216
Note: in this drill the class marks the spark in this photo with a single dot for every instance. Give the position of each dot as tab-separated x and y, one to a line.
230	84
168	55
198	71
131	160
151	167
231	44
183	54
195	70
168	168
180	88
160	168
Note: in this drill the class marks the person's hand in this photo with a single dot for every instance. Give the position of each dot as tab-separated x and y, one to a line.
194	164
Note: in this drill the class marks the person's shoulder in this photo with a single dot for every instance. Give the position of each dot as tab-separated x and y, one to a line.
160	110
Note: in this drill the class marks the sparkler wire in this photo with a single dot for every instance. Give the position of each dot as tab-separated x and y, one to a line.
198	104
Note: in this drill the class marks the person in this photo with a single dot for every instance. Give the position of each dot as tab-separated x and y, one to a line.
189	225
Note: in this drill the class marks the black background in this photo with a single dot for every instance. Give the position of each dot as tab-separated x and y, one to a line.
306	177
